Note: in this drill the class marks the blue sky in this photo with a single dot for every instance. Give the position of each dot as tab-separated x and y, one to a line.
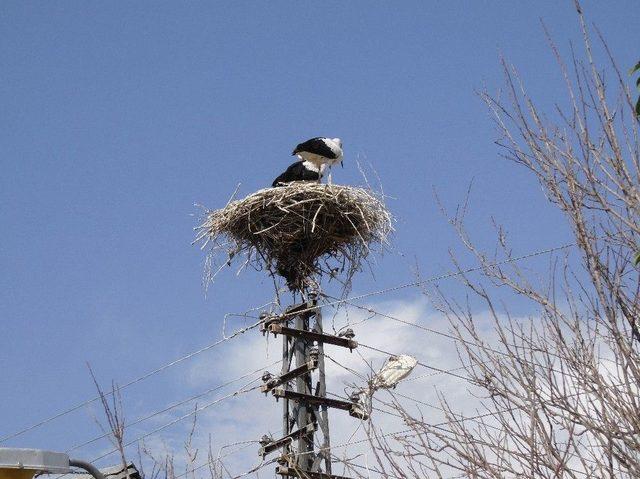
118	116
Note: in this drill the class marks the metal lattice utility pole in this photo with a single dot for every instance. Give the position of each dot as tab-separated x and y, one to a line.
305	408
302	411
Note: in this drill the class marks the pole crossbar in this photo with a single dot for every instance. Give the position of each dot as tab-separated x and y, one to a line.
350	406
269	447
274	382
313	336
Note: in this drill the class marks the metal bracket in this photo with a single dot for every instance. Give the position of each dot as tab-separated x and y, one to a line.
313	336
278	443
288	376
300	309
294	472
355	410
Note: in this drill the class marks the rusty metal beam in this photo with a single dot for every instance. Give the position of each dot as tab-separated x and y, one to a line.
354	409
285	440
306	310
313	336
288	376
294	472
311	399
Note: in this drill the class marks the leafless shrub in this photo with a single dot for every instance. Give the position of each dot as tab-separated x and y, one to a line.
560	392
114	414
153	464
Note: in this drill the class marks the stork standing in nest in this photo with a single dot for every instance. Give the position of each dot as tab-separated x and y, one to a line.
316	155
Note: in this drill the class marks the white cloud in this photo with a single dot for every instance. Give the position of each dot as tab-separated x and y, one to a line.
249	416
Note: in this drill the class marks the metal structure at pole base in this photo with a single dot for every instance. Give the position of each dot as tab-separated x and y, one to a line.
295	472
305	408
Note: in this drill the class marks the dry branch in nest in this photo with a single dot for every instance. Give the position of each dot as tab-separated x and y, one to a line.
298	231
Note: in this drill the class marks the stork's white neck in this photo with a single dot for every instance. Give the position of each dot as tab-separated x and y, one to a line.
310	165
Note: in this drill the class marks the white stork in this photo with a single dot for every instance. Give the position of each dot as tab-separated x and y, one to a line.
300	171
315	155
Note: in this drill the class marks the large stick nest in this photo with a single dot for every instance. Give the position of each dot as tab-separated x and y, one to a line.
298	231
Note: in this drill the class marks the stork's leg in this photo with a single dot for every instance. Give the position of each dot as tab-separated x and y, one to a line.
329	182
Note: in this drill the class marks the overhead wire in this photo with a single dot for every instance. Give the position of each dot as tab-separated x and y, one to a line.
131	382
238	392
246	473
451	274
174	405
424	365
460	339
410	432
245	389
254	325
470	380
490	426
459	417
216	459
436	370
349	464
394	393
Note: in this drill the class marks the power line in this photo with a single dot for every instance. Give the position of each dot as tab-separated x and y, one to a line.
131	382
395	393
243	390
173	406
451	274
254	325
367	468
406	431
461	418
436	372
472	381
420	363
246	473
439	426
428	375
448	336
217	459
245	444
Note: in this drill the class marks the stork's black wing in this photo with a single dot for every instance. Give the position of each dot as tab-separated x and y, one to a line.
316	146
296	172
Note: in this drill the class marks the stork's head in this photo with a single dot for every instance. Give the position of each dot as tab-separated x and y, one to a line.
338	142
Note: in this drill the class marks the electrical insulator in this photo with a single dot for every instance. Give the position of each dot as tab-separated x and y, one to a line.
265	440
314	352
348	333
